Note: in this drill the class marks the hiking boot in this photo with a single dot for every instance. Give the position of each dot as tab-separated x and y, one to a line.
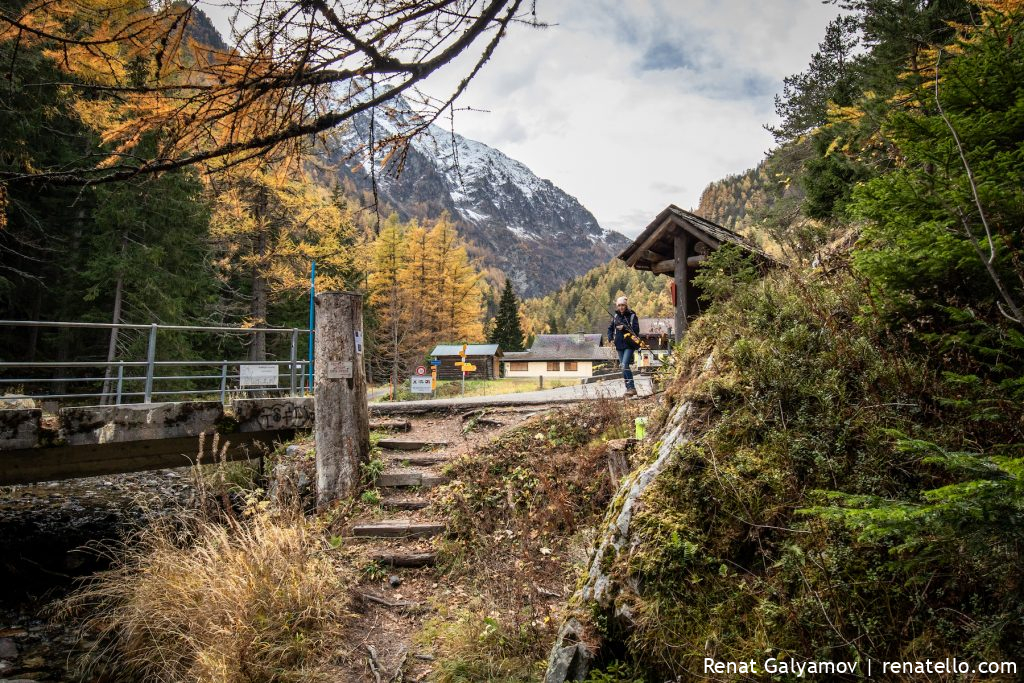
630	392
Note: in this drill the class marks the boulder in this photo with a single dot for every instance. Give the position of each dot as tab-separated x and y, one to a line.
571	659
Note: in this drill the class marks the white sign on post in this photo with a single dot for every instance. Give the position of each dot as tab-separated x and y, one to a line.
339	369
420	385
257	375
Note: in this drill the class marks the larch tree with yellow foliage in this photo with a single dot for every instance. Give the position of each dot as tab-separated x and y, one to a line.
425	290
268	226
290	70
457	285
388	299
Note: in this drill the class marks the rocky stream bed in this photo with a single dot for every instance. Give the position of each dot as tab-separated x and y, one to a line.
52	535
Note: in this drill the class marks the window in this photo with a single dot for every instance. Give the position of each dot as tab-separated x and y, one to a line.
569	366
552	366
518	366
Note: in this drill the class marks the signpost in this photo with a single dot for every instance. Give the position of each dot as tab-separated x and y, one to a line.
434	365
257	375
463	364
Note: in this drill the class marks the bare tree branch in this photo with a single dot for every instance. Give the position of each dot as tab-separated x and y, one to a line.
989	261
299	68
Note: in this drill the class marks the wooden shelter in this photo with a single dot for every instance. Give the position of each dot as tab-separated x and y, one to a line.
675	244
486	358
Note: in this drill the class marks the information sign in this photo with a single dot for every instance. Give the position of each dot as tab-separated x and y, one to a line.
257	375
420	385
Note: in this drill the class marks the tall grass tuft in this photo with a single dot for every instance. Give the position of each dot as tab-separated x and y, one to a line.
214	596
235	601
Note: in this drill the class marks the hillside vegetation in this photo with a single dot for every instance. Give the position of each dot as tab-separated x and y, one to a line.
846	485
585	303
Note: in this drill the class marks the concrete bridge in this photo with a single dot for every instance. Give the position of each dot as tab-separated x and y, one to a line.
101	440
90	441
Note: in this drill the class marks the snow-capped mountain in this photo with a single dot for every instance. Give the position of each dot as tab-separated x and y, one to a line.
533	231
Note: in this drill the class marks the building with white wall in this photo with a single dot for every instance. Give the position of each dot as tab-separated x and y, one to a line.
559	356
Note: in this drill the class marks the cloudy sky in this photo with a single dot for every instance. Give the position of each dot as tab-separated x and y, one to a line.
631	105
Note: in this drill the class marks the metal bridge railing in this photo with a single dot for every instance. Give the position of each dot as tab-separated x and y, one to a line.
120	387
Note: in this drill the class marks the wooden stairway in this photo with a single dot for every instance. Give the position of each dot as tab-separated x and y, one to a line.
413	467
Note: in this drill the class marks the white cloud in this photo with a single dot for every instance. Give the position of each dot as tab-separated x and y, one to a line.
633	105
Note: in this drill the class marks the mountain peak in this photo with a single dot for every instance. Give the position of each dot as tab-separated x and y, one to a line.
536	233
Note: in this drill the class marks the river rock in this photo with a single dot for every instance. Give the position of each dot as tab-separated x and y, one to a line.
8	648
16	402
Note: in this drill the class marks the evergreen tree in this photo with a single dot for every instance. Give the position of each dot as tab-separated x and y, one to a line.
507	332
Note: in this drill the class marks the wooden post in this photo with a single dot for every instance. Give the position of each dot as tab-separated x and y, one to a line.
339	396
682	279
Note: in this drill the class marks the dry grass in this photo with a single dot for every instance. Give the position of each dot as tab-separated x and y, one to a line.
214	596
243	601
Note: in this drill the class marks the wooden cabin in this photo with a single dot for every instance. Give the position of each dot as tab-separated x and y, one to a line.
675	244
486	358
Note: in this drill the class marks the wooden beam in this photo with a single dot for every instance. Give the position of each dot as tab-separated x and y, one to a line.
649	242
669	266
682	244
699	234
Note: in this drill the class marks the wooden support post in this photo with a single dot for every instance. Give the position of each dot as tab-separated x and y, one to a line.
682	278
339	396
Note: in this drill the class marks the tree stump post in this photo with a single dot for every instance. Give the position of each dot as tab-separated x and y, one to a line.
339	396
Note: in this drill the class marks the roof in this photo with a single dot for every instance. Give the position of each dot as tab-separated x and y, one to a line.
564	347
471	350
656	325
655	245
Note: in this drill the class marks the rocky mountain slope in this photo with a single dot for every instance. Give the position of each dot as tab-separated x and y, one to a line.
527	227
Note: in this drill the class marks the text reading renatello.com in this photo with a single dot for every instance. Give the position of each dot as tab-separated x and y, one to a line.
867	668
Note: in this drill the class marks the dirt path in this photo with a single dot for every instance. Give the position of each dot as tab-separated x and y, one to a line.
396	601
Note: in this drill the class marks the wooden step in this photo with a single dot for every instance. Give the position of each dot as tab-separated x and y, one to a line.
431	480
404	504
408	445
431	459
405	559
394	425
408	478
397	528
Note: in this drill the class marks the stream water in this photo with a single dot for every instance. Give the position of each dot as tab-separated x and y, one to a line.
51	537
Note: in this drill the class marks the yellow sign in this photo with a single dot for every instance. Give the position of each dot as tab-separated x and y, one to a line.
467	367
459	363
433	377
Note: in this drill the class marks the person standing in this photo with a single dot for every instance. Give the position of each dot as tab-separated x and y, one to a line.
625	323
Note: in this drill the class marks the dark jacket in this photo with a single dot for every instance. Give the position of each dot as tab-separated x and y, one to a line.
615	336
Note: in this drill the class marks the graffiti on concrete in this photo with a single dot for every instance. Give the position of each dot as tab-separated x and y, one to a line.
285	415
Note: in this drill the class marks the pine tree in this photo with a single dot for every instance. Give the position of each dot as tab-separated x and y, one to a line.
507	332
